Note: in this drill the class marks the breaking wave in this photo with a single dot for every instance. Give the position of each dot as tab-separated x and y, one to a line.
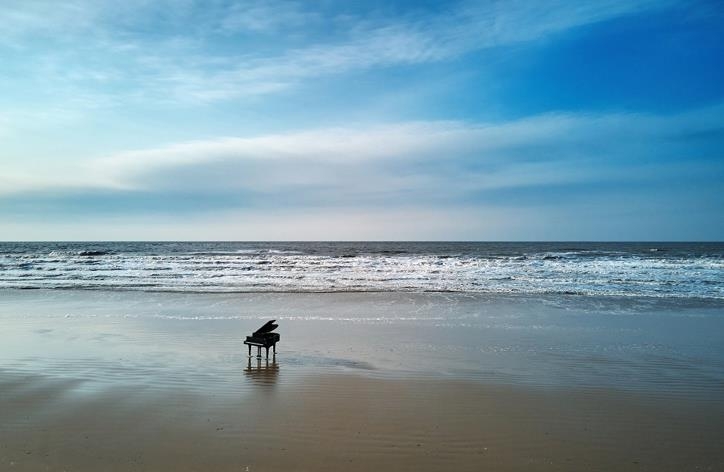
621	269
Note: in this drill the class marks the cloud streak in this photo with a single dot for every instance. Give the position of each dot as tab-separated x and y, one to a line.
417	39
424	162
105	50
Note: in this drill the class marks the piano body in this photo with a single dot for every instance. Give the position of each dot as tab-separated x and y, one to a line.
264	338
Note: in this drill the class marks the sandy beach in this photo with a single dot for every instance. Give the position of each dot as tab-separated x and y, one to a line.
349	422
143	381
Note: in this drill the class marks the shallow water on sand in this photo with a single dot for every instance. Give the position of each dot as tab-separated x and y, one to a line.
664	348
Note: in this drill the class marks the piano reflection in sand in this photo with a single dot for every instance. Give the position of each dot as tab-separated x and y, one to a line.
264	338
262	372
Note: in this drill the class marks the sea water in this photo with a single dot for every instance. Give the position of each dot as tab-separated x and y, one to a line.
662	270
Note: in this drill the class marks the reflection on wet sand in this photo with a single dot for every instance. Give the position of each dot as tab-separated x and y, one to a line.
262	371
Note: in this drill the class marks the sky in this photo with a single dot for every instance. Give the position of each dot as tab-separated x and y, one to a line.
368	120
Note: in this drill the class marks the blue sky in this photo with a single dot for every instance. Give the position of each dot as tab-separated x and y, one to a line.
413	120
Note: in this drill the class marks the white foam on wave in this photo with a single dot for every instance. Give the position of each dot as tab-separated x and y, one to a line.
270	270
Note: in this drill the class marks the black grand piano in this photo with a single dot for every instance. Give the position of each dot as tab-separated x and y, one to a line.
264	338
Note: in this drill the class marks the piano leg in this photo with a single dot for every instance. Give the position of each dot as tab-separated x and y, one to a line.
258	352
274	348
267	351
249	350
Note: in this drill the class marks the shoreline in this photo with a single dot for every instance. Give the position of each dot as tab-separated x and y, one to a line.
662	300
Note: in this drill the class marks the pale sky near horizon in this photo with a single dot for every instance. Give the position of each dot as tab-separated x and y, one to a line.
386	120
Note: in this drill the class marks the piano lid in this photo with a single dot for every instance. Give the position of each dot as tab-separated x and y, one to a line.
268	327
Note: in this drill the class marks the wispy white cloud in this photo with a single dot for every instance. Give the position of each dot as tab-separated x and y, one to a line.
181	50
413	39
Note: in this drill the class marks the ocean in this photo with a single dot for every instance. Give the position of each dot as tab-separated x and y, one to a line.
645	269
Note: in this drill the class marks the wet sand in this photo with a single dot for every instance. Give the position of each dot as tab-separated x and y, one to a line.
350	422
160	382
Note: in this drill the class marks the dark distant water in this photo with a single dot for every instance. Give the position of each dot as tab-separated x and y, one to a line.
677	270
